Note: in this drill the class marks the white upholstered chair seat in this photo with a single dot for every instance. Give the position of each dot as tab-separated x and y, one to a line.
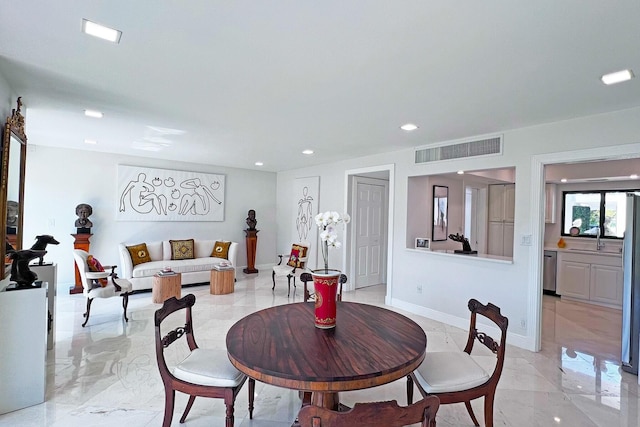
447	371
208	367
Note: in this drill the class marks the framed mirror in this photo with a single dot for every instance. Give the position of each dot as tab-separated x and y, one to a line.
440	213
14	152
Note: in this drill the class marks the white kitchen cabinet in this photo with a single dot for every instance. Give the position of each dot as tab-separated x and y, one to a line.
502	201
550	203
501	216
590	277
606	284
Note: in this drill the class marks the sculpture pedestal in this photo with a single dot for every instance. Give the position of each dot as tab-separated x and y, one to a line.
252	243
81	241
48	273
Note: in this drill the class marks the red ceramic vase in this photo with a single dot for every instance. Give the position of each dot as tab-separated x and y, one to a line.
325	283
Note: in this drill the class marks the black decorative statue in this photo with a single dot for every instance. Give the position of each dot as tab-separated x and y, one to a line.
251	219
41	244
83	223
20	272
466	246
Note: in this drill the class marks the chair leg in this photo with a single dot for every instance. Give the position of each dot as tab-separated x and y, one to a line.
187	409
252	390
488	409
125	304
229	418
86	314
472	415
409	390
289	285
273	277
169	396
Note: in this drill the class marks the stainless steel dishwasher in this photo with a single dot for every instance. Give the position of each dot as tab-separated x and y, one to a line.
549	272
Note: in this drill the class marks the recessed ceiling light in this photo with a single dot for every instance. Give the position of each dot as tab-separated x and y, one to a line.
563	180
460	172
307	152
259	164
101	31
617	77
90	141
93	113
633	176
409	127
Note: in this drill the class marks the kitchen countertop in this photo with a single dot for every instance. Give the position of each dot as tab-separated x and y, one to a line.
612	252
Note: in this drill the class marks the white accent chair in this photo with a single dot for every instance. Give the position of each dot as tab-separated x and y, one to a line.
294	267
91	288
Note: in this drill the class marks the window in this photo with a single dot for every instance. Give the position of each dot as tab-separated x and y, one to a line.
594	212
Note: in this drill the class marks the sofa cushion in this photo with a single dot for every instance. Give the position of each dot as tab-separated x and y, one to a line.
148	269
95	266
297	252
221	250
139	253
182	249
204	248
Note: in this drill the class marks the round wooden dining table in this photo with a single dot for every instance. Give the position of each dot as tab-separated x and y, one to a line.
369	346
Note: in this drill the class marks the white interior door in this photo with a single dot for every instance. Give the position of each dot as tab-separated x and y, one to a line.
370	235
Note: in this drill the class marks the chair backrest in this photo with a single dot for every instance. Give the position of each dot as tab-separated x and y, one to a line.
491	312
171	306
387	414
307	277
80	257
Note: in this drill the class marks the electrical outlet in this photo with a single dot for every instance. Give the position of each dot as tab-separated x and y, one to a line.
523	323
419	289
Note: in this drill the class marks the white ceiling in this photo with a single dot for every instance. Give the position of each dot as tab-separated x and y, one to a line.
245	81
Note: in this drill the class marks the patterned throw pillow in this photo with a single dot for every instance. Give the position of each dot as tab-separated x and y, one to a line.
182	249
139	254
297	252
95	266
221	250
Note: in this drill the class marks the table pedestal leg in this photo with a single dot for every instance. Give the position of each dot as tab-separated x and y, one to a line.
326	400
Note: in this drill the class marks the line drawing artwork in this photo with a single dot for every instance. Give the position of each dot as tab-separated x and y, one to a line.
305	199
304	220
147	194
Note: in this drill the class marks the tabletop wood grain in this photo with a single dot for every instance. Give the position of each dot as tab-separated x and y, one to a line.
369	346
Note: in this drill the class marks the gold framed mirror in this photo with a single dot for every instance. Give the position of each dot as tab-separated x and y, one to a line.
14	153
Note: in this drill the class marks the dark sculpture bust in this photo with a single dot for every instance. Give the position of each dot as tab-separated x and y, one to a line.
83	210
20	272
466	246
12	214
251	220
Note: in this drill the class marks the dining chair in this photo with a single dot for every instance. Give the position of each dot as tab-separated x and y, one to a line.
374	414
99	282
294	267
455	377
307	277
204	372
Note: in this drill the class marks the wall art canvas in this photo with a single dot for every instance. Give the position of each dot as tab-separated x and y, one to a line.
147	194
305	207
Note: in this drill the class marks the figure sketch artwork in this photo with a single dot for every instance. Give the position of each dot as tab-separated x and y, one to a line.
146	194
305	205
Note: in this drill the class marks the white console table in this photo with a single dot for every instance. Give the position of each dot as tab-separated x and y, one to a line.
49	273
23	316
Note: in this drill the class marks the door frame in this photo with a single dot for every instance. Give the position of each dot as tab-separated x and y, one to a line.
349	253
360	179
538	163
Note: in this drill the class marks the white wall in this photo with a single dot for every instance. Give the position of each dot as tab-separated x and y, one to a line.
449	282
57	180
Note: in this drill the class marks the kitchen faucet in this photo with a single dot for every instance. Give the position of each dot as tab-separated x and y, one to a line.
599	243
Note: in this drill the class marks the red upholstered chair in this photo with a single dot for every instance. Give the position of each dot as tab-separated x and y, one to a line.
294	267
204	372
100	284
455	377
387	414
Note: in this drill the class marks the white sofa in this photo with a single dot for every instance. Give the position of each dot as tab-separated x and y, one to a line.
197	270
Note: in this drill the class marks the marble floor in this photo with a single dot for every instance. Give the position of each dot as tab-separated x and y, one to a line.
106	374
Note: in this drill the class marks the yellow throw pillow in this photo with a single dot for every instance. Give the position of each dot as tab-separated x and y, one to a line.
182	249
221	250
139	253
297	252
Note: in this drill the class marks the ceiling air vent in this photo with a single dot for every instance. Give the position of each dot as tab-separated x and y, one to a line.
448	151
